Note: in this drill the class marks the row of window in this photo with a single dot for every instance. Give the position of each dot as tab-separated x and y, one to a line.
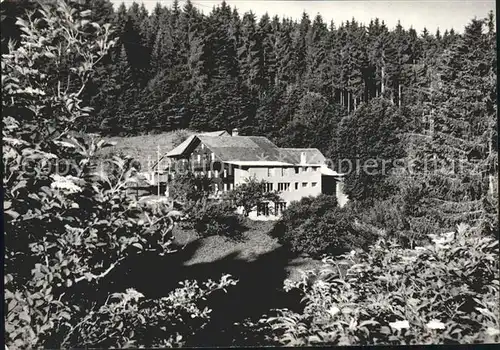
213	173
286	171
286	186
224	187
263	209
207	157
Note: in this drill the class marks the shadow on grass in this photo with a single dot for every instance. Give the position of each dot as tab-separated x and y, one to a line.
259	288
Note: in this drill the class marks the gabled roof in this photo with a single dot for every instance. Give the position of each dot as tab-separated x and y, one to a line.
249	150
216	133
244	148
177	151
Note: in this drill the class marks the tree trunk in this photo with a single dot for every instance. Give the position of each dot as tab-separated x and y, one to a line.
431	123
348	102
399	95
491	185
382	86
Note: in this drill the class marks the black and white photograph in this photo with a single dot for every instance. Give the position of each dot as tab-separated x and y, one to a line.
211	173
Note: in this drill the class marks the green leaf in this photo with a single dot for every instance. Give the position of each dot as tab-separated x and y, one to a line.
385	330
25	317
138	245
12	305
65	315
12	214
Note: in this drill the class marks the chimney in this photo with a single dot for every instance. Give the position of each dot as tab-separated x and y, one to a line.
234	132
303	158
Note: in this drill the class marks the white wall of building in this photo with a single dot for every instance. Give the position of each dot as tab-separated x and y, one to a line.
291	185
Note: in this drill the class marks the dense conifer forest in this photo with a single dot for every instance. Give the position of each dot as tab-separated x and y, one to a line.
354	91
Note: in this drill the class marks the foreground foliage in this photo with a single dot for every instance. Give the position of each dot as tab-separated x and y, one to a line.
445	292
316	225
68	220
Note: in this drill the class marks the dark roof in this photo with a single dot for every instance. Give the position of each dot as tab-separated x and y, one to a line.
243	148
248	149
216	133
180	149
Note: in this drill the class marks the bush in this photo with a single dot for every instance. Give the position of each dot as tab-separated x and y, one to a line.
210	218
445	292
188	189
316	225
249	194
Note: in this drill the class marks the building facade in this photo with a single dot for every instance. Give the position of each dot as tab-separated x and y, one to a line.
230	160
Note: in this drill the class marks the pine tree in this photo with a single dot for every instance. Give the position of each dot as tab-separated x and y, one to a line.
250	53
318	47
267	36
457	148
370	140
300	47
284	53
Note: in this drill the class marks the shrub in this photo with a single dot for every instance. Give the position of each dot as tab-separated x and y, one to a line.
250	193
445	292
210	218
316	225
188	188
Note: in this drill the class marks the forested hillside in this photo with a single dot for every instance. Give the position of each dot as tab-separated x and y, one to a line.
176	68
355	91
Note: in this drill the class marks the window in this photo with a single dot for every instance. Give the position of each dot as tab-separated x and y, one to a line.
304	184
270	172
283	186
202	146
296	186
230	186
313	184
199	158
282	170
263	209
279	208
297	170
209	174
216	173
224	187
268	187
212	156
225	172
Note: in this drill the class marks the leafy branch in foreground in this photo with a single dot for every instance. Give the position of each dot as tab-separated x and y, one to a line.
445	292
68	228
